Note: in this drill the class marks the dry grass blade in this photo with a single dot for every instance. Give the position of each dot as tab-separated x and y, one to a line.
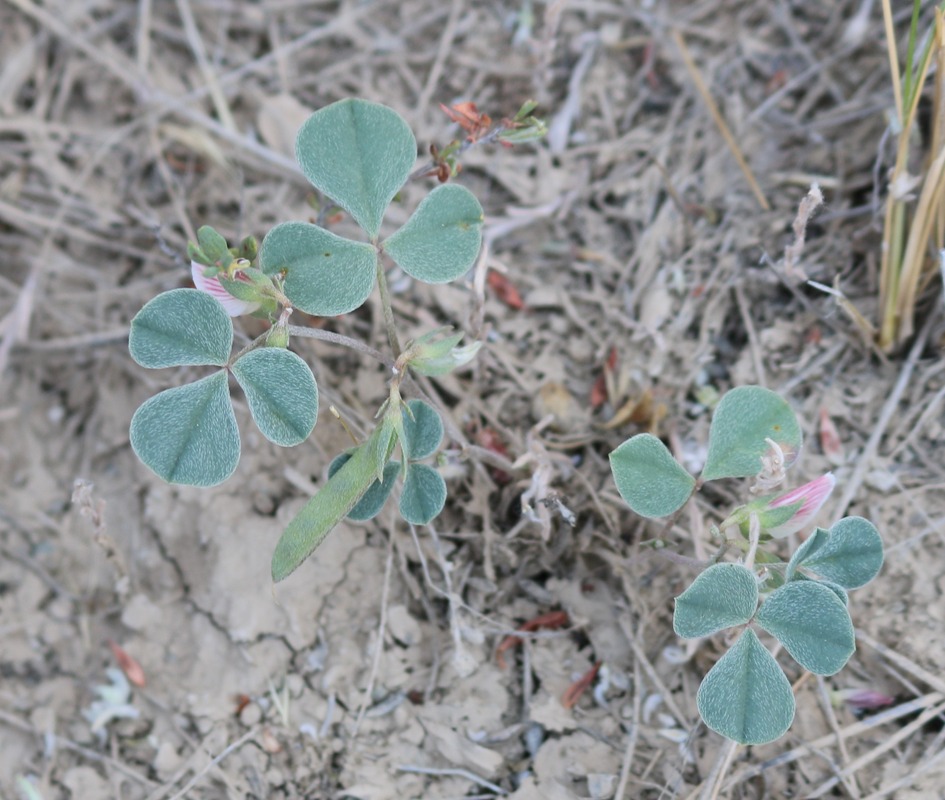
719	119
910	239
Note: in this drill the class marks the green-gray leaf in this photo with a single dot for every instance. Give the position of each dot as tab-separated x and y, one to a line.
743	420
281	393
423	495
423	431
810	546
326	275
723	596
359	154
746	696
812	623
836	588
649	479
440	242
188	434
852	555
183	326
374	498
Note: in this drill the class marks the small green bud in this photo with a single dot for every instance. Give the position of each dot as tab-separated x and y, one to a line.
432	356
278	335
531	129
214	246
194	253
249	248
527	107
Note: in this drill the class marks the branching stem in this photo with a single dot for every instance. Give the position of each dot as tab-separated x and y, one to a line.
388	309
325	336
344	341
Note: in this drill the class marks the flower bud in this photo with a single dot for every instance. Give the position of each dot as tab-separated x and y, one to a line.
214	247
234	306
431	356
861	699
794	510
278	335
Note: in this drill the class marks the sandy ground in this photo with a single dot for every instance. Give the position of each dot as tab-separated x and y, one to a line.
372	673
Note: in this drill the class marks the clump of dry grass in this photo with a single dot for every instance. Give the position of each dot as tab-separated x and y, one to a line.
914	226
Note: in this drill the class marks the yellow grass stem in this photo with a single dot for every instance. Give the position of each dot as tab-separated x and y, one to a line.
893	57
906	241
719	120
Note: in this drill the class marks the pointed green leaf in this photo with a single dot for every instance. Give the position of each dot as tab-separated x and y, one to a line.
326	275
810	546
746	696
188	434
281	393
852	555
383	444
742	422
649	479
441	240
723	596
333	502
181	327
359	154
423	495
812	623
374	498
423	430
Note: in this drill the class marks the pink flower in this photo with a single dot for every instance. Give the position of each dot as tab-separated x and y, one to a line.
811	496
862	699
212	286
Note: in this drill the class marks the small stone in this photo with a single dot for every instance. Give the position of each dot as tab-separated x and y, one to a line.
402	626
140	613
166	761
250	715
601	786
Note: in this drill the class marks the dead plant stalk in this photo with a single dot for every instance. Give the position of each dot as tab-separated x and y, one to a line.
910	240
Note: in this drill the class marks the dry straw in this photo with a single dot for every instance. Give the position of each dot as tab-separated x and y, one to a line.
914	225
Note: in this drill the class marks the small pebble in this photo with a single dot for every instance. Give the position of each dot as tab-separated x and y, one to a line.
250	715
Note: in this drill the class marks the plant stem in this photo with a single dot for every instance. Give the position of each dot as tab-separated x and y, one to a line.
466	144
337	338
388	309
754	534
